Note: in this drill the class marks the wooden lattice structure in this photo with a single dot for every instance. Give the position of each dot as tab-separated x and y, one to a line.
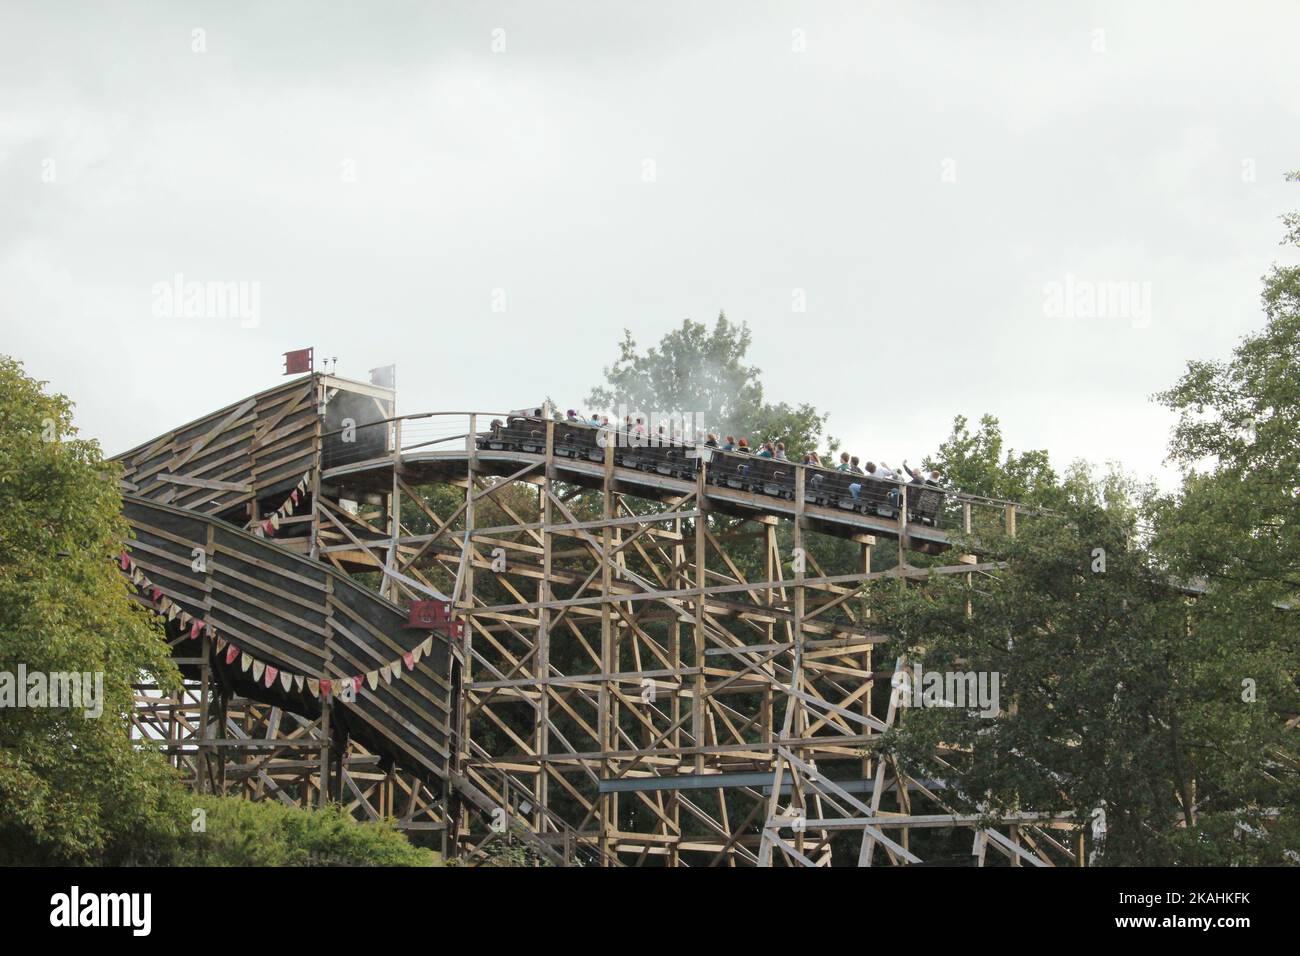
646	666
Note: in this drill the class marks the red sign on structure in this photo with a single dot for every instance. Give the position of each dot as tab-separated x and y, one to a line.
295	363
426	615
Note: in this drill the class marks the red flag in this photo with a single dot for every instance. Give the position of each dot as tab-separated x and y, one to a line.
270	675
125	561
232	652
155	595
298	361
409	660
196	628
356	684
268	527
293	496
325	687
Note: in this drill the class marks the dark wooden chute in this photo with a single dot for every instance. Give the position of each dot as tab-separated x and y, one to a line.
302	618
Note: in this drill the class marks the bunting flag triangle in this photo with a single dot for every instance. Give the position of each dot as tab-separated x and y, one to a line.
270	675
221	641
137	576
424	648
267	526
172	611
297	683
373	679
155	595
356	684
258	668
286	680
246	661
313	685
185	620
293	496
409	660
124	560
231	653
325	687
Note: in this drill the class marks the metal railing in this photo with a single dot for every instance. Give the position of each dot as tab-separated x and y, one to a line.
955	511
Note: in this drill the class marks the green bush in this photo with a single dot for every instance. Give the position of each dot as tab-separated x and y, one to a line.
234	832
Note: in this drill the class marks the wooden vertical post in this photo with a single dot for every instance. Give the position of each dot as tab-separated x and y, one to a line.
697	629
867	661
542	666
326	708
201	769
902	524
604	730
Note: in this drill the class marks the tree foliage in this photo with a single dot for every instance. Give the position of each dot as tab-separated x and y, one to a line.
1117	693
1148	647
700	370
72	788
977	464
236	832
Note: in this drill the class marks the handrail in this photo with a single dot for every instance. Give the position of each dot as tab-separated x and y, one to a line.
656	442
408	417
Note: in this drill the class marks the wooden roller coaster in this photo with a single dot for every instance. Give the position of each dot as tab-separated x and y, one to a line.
641	660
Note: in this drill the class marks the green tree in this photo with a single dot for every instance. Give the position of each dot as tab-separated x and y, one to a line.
1117	693
72	787
1148	647
976	464
701	370
1237	514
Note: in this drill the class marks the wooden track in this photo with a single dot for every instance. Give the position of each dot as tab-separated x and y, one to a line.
439	466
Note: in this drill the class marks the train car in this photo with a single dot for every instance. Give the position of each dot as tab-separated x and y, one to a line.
668	459
924	502
516	434
744	472
578	440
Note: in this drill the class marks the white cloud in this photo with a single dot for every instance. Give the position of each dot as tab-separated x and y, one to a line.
522	171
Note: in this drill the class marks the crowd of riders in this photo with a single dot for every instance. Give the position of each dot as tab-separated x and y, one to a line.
634	428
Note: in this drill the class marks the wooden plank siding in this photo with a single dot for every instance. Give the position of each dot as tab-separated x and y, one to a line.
220	464
300	616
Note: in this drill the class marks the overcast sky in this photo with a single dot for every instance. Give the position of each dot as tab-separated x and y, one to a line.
929	182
